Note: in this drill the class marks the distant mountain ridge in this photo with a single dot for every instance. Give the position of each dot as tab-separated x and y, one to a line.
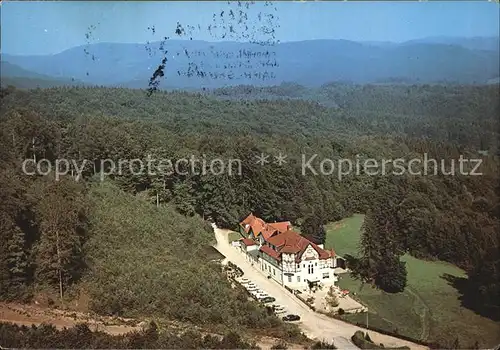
12	74
309	63
474	43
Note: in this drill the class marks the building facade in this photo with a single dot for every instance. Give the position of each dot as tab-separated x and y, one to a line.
286	256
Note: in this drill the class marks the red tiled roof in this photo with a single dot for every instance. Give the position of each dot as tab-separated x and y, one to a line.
279	235
281	226
254	223
257	225
247	241
269	251
293	243
248	219
289	242
268	232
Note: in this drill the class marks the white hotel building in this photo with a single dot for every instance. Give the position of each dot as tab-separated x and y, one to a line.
285	255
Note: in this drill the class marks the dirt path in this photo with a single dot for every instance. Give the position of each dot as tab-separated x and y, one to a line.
31	314
314	325
424	316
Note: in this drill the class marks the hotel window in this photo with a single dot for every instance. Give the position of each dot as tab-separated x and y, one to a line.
298	278
274	272
298	266
289	278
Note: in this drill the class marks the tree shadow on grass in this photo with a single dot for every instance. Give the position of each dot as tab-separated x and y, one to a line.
470	298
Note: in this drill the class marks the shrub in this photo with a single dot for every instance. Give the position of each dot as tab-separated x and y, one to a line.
331	298
323	345
280	345
81	337
363	341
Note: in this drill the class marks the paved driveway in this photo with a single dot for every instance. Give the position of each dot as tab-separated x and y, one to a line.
314	325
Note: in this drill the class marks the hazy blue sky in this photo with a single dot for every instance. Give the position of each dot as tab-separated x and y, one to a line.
51	27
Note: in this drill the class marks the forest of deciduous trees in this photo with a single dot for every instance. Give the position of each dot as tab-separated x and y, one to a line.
81	337
48	224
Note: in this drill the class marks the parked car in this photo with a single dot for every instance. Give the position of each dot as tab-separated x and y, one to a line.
278	309
261	295
291	317
268	299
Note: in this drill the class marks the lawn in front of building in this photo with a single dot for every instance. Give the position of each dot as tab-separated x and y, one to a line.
429	309
234	236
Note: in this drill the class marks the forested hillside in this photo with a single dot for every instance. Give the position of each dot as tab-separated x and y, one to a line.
452	218
166	252
440	112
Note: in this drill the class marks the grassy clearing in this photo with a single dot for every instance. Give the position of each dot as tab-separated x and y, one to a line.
234	236
343	235
429	309
391	312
